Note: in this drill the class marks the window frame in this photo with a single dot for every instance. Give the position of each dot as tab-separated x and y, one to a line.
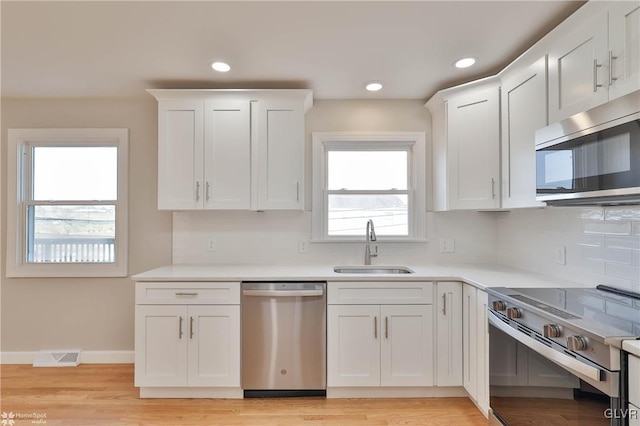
20	174
413	142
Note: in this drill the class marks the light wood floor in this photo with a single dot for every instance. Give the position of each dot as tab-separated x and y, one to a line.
100	394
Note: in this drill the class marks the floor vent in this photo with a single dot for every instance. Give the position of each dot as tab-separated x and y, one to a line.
57	359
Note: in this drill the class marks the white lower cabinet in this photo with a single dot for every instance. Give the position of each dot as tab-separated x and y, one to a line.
388	345
380	335
449	334
475	344
186	350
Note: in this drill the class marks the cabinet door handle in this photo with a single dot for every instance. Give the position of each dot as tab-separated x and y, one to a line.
190	327
207	191
375	327
612	57
595	75
493	188
386	327
180	328
197	190
444	304
297	191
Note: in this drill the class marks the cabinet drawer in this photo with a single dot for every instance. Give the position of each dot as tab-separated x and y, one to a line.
189	293
387	293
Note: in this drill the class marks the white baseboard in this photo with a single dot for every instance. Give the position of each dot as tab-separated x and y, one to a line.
86	357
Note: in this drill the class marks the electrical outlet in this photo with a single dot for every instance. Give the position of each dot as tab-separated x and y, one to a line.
561	255
303	246
211	244
447	245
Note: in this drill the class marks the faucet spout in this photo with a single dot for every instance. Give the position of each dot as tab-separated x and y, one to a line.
370	236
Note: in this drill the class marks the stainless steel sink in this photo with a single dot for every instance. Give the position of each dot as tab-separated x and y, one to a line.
372	270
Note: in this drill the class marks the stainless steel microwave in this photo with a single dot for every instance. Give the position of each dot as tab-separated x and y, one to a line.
592	157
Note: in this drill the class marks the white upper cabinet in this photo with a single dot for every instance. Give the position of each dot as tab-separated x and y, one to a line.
280	153
231	149
624	48
180	152
524	110
466	147
227	154
595	61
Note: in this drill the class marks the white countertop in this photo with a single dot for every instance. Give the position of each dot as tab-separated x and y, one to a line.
632	346
481	276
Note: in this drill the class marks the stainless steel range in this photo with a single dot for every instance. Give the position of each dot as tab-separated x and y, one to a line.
555	355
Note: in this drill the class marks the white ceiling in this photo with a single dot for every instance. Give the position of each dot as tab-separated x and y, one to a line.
118	49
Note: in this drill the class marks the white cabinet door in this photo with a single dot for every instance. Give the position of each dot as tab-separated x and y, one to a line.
469	341
353	345
180	154
227	183
508	361
524	110
214	346
624	48
279	170
161	345
578	69
474	149
449	334
406	345
482	350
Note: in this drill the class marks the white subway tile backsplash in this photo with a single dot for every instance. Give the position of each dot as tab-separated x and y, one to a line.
628	242
626	272
595	213
607	227
636	228
591	240
622	213
609	255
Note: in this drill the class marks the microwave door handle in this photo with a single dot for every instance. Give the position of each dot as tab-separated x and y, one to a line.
559	358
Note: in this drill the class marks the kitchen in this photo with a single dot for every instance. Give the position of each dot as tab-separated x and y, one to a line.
156	238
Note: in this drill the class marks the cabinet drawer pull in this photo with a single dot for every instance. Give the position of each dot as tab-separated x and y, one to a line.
595	75
386	327
181	293
180	328
375	327
190	327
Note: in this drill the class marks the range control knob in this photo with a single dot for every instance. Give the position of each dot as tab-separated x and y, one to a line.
513	312
499	305
552	330
577	343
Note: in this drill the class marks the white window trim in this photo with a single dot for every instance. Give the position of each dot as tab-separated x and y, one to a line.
414	141
18	139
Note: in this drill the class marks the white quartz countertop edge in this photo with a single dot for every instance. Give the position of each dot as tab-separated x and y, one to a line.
632	346
481	276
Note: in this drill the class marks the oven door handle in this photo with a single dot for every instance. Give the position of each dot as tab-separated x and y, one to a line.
559	358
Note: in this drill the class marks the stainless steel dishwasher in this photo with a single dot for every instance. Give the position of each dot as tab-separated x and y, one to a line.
284	338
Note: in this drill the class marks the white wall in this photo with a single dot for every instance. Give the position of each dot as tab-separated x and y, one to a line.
602	244
93	314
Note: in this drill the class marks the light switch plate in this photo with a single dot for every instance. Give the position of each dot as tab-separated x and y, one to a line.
447	245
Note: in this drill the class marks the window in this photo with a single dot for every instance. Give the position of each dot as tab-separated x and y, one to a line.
70	212
362	176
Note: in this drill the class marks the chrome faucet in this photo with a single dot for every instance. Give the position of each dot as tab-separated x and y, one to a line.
370	236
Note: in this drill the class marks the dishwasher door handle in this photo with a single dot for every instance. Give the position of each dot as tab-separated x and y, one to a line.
282	293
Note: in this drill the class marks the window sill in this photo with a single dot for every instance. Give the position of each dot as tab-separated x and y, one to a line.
362	241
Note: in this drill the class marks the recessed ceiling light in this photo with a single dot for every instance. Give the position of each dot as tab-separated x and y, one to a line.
465	62
373	86
220	66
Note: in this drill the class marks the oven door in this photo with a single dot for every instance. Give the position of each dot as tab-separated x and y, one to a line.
531	383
